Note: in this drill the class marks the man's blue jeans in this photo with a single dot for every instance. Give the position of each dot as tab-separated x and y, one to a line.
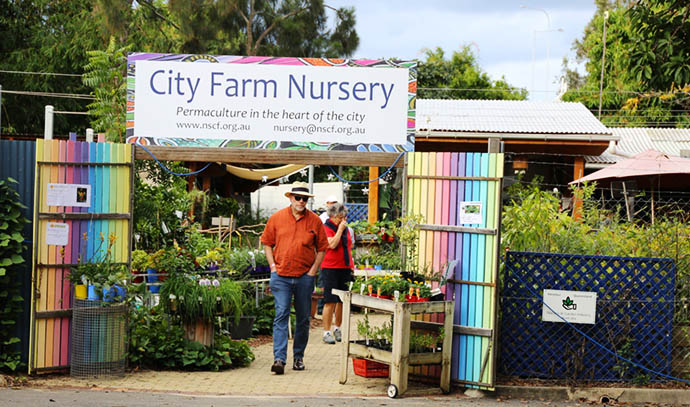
283	289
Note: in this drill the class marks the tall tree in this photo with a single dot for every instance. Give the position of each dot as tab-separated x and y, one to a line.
44	36
460	78
265	27
644	82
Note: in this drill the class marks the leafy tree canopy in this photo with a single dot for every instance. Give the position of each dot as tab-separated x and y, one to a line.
646	78
460	78
56	36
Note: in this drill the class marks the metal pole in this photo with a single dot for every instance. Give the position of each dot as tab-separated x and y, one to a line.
603	61
534	59
0	111
89	135
548	43
48	128
311	186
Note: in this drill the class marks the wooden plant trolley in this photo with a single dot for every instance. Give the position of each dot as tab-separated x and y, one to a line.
399	358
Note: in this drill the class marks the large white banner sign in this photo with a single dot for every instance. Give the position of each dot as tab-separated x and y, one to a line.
271	102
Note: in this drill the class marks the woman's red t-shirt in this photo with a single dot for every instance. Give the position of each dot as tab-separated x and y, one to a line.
334	257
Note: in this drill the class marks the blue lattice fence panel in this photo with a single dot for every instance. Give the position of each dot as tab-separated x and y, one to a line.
634	317
357	212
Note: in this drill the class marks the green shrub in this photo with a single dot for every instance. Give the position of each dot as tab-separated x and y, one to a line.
157	342
11	247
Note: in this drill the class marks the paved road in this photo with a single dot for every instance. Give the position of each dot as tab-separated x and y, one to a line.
78	398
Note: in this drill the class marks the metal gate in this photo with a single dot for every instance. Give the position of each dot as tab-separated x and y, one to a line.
107	170
458	195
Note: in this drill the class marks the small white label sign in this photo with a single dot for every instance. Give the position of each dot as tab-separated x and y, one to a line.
470	213
69	195
57	233
578	307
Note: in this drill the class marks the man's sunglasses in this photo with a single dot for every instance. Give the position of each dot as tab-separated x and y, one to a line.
301	198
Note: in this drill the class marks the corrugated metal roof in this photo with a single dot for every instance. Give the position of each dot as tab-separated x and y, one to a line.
636	140
507	116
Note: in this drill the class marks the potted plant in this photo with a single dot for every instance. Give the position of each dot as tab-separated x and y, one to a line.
140	261
198	301
242	327
262	267
239	262
212	260
198	298
102	277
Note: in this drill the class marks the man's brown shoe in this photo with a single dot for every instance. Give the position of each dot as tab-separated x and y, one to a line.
278	367
298	364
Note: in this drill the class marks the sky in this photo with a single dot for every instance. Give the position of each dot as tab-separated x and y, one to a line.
502	35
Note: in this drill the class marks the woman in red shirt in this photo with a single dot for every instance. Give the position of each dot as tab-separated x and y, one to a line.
336	270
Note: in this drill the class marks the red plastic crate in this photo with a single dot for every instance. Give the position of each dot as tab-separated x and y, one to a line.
369	368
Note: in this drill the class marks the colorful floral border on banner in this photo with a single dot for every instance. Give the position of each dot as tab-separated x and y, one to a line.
264	144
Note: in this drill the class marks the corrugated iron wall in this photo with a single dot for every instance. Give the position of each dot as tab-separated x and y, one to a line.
18	161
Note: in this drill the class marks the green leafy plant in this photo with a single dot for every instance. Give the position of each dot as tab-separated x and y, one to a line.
11	247
157	341
105	74
194	298
100	270
239	261
139	260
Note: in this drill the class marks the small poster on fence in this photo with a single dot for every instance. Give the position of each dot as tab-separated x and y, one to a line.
470	213
579	307
69	195
57	233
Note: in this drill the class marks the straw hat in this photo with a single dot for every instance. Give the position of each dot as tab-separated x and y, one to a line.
299	188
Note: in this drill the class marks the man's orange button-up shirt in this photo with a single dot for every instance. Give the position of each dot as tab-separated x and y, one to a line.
294	241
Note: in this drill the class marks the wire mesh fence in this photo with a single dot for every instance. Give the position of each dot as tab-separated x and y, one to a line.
99	339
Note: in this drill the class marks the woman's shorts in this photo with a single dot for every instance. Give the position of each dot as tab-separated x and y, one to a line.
334	278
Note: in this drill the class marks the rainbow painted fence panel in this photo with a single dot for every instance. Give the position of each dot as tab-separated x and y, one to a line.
458	196
82	233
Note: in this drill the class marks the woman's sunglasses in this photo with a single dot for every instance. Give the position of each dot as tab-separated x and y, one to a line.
301	198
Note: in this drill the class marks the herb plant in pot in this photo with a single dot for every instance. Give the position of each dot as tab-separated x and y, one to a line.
197	301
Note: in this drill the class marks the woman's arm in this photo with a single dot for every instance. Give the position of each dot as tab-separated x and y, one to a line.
334	241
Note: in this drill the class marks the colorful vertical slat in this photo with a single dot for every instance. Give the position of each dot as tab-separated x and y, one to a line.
437	185
88	238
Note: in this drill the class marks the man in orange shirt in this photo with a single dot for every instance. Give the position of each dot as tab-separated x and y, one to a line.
294	242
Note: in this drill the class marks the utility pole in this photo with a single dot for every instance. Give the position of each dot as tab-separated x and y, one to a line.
603	62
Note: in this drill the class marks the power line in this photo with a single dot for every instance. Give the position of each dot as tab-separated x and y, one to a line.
40	73
50	94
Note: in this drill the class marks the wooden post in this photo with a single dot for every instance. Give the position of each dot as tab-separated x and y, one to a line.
578	172
627	204
345	340
447	347
401	347
191	181
373	195
494	145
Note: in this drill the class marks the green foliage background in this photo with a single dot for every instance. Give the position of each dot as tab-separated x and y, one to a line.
646	75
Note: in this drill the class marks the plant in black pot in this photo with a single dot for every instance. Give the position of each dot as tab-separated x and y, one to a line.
243	327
